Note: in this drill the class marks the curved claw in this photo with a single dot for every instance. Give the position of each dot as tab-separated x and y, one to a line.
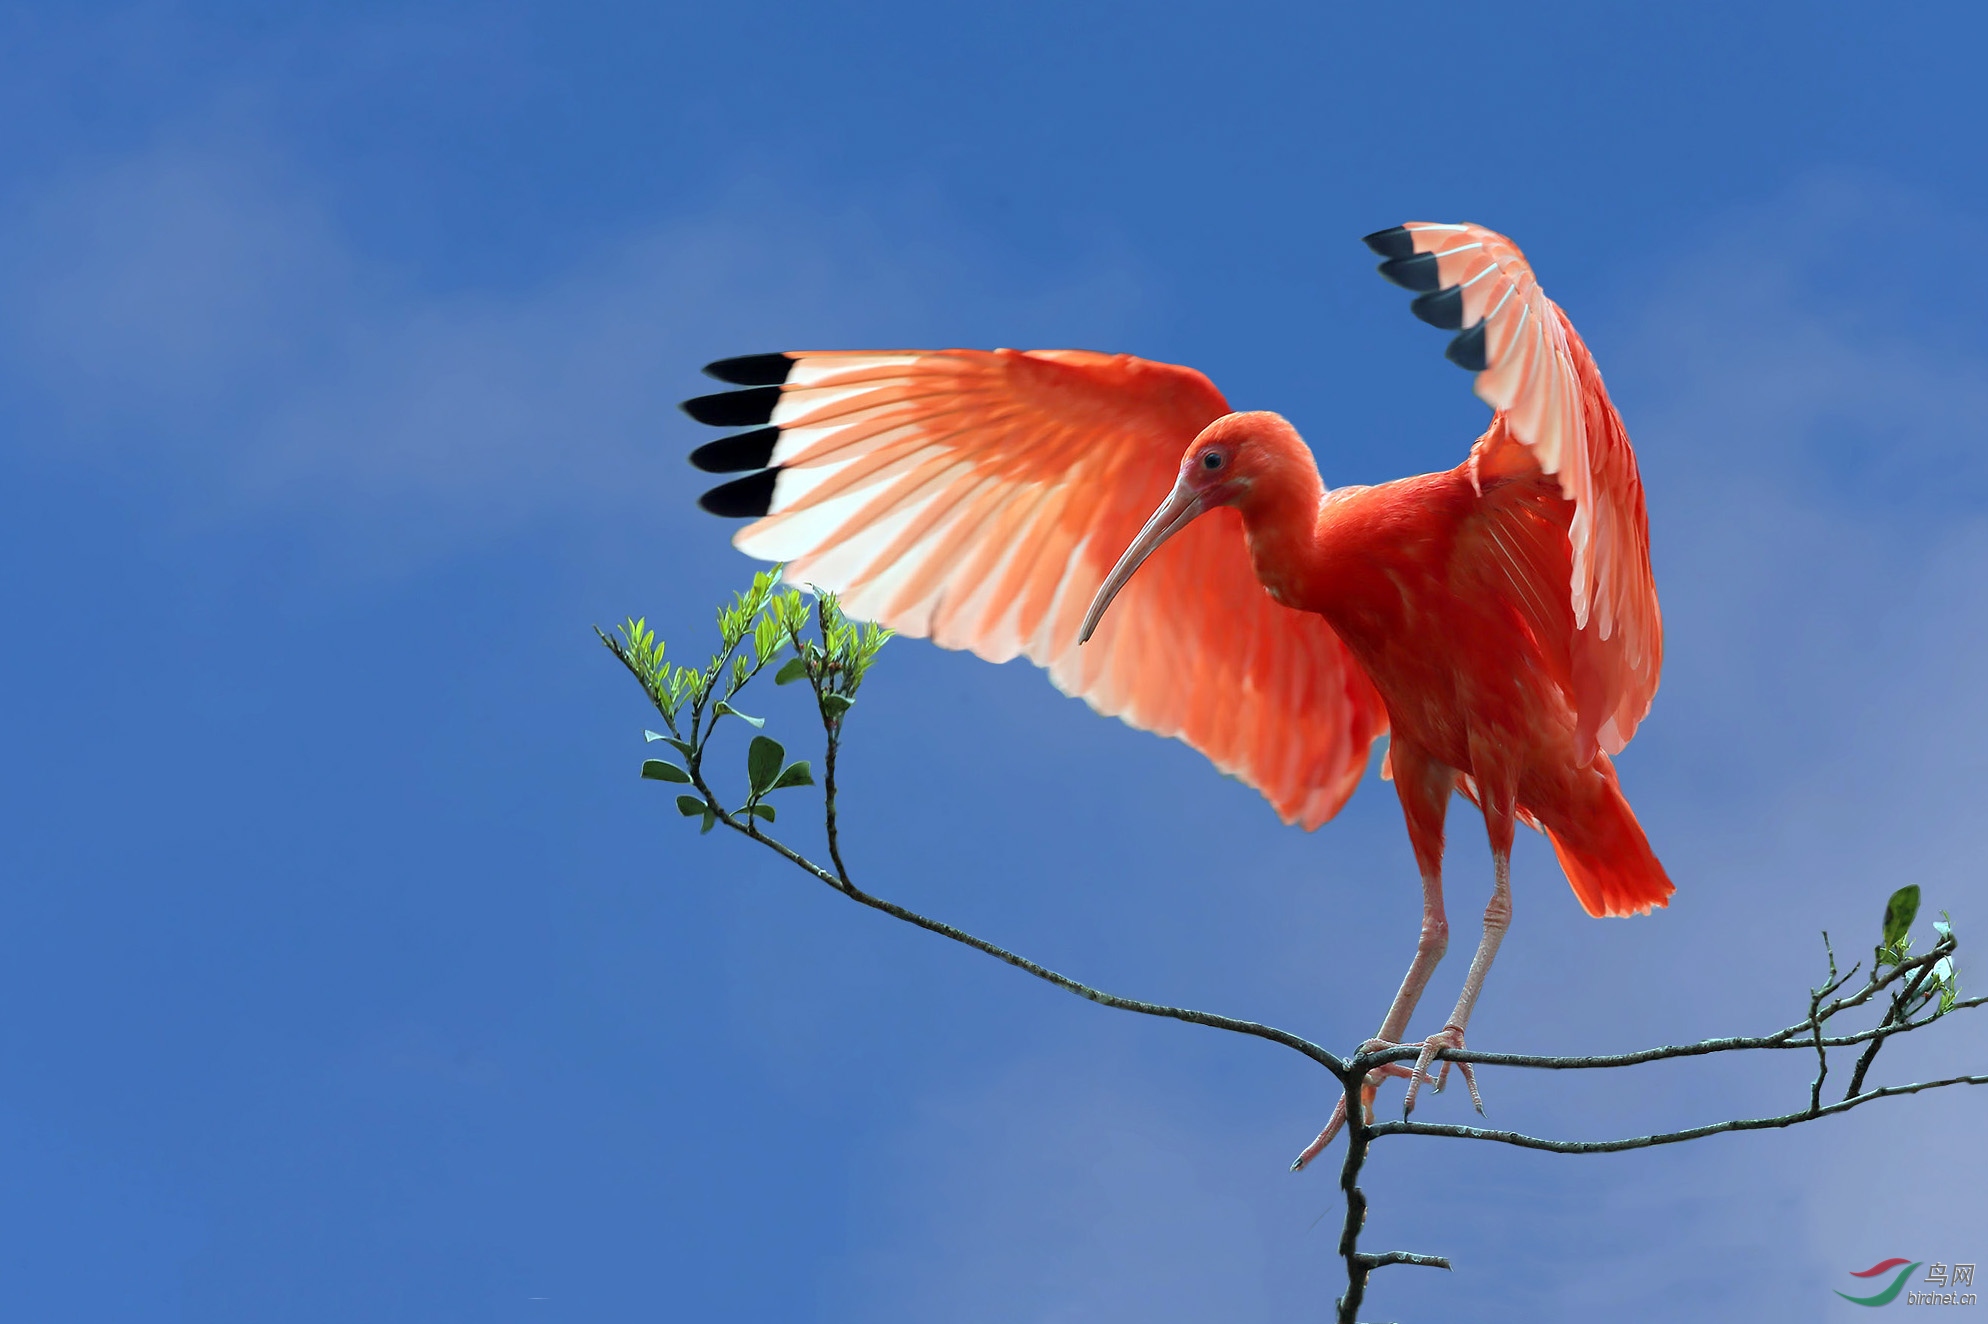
1450	1036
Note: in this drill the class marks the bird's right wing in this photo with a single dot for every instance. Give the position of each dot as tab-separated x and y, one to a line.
980	498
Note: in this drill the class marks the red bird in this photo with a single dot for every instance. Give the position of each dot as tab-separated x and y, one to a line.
1185	568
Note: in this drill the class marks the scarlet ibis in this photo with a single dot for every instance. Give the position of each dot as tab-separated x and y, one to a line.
1185	568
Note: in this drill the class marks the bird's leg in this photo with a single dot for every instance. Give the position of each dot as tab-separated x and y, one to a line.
1429	948
1424	788
1497	918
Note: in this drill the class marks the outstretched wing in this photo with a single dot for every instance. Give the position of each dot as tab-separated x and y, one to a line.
979	498
1554	418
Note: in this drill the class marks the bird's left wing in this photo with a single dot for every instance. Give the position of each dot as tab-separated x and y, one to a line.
1554	419
980	498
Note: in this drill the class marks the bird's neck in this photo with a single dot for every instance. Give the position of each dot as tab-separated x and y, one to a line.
1281	519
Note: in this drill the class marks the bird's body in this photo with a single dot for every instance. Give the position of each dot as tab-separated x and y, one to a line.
1445	589
1497	619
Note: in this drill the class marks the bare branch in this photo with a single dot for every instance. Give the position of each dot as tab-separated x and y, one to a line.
1788	1038
1779	1039
1816	995
1897	1013
1388	1257
1666	1137
1358	1137
750	828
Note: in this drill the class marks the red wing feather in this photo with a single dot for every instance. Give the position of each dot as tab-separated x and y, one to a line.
1553	417
979	499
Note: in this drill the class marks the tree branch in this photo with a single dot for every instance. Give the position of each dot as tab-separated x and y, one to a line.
1667	1052
1188	1014
1408	1128
1781	1039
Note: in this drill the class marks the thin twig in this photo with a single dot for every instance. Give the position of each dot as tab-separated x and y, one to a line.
831	728
1816	995
1780	1039
1387	1257
1667	1137
849	889
1900	1011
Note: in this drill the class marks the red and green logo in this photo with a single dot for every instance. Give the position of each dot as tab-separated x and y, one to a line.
1883	1298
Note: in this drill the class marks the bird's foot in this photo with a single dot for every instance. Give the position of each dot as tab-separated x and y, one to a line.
1368	1088
1450	1036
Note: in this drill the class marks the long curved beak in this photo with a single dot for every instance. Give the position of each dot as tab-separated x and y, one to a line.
1175	513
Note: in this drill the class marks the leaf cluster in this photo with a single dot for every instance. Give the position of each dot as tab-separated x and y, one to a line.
1894	950
760	626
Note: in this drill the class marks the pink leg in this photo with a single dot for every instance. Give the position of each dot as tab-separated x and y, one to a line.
1500	823
1497	918
1424	788
1429	949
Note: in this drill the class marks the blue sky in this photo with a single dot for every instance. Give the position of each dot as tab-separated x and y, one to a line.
348	970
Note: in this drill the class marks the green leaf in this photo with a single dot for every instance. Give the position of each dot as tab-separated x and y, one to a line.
709	819
794	774
795	670
682	747
662	770
1899	913
765	639
724	708
764	811
836	704
763	760
793	611
690	806
653	736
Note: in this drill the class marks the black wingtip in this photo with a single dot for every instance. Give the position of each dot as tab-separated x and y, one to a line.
1443	308
731	455
734	409
1419	272
751	369
1394	243
1467	350
741	498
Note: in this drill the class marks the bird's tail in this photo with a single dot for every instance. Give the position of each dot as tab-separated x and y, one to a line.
1603	850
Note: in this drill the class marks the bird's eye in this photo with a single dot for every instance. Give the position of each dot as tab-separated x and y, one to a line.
1212	460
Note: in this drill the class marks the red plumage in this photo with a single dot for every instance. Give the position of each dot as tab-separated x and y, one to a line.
1499	619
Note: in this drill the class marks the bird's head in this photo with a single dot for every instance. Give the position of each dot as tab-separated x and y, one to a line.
1238	460
1237	453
